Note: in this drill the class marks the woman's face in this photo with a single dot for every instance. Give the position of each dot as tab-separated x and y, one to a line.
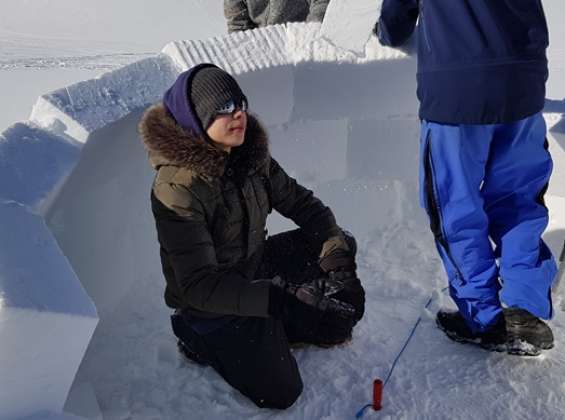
228	131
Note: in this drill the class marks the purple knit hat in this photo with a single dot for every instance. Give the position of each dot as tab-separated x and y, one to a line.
196	95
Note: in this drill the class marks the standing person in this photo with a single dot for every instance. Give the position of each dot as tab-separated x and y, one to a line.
249	14
241	298
485	166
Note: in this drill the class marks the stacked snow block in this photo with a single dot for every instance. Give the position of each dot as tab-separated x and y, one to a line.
78	110
46	318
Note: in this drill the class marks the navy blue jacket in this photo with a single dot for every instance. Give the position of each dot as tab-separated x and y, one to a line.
479	61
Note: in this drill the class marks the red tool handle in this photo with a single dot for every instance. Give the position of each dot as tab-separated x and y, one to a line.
377	394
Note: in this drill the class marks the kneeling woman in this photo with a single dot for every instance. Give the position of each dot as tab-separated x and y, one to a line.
241	299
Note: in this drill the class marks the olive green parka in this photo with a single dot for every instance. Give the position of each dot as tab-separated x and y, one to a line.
211	208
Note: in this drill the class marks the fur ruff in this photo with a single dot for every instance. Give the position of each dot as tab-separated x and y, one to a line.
169	144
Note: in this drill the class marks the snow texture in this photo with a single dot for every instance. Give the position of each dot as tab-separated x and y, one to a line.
46	318
33	162
79	109
346	125
348	24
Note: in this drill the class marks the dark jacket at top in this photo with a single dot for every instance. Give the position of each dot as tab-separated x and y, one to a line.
479	61
211	208
249	14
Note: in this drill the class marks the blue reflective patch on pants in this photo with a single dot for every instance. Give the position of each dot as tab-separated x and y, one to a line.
483	183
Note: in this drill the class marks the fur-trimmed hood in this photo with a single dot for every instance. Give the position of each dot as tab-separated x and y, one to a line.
169	144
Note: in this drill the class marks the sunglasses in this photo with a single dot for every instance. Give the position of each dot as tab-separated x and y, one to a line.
230	107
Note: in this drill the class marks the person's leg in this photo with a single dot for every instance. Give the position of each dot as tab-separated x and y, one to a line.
293	257
253	356
453	160
518	172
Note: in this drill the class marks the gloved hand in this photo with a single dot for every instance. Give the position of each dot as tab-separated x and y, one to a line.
311	294
343	283
338	260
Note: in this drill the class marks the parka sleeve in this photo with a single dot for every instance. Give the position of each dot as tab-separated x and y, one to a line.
185	237
317	10
300	205
397	21
237	15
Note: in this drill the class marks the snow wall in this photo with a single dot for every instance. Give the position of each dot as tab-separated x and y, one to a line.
75	182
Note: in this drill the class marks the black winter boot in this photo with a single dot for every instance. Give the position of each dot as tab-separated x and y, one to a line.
454	326
527	334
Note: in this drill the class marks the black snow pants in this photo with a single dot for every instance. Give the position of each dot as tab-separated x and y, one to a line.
253	354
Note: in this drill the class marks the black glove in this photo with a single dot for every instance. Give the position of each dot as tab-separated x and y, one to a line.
311	294
345	286
338	260
343	283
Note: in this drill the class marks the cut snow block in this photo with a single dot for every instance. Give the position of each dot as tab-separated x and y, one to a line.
79	109
384	149
364	204
374	90
33	163
300	146
270	93
102	216
349	25
305	43
46	318
239	52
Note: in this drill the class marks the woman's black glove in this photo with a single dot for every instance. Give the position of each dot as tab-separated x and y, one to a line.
338	260
311	294
343	283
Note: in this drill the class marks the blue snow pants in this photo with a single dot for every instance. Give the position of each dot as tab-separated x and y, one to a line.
482	187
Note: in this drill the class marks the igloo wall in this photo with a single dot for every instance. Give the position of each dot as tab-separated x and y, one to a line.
345	126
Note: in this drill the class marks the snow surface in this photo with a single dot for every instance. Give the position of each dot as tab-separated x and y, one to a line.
359	113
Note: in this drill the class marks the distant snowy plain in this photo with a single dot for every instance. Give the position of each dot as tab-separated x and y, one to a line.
132	369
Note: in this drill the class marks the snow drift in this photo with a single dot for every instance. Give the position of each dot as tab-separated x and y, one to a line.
344	125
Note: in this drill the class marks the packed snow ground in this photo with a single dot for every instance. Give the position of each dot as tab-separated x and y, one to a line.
132	369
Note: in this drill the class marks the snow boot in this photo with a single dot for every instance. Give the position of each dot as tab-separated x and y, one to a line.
191	354
526	333
453	325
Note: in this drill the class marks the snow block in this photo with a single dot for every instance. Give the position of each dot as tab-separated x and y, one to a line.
349	24
102	216
363	205
33	163
294	146
385	149
307	43
79	109
240	52
46	318
364	91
